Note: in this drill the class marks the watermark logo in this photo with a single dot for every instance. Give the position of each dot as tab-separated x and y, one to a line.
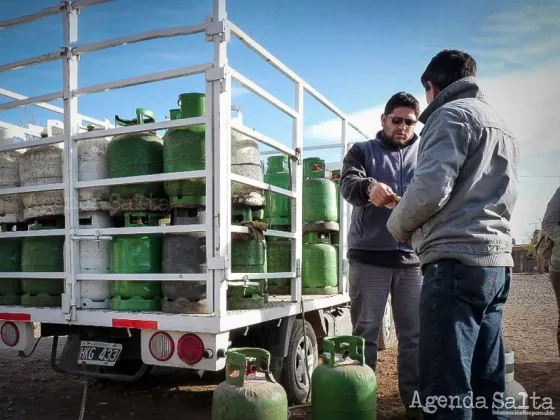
501	404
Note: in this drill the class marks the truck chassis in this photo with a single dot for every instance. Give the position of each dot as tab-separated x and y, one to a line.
289	326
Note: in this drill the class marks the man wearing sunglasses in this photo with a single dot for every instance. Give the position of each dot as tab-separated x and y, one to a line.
457	212
374	175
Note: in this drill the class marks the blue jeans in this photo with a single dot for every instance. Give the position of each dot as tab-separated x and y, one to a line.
461	348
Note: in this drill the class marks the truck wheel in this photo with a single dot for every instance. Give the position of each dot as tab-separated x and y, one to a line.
387	330
295	380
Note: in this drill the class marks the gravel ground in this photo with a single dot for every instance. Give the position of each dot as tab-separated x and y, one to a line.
29	389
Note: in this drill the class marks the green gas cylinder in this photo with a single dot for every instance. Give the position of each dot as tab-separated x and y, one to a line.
343	387
132	155
10	261
335	175
136	254
320	212
247	256
279	260
319	274
42	254
184	149
278	207
249	392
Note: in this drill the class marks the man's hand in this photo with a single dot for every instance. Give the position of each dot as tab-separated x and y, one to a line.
381	195
401	240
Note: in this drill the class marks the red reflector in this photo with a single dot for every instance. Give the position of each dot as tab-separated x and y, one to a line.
190	349
15	317
134	323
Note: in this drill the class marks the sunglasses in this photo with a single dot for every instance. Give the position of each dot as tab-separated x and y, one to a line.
399	120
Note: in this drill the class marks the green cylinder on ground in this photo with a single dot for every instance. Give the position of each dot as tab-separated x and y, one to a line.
278	206
10	261
246	393
279	260
184	149
320	211
42	254
136	154
319	265
136	254
247	256
343	387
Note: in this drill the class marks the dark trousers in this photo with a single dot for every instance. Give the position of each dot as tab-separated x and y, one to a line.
461	348
370	287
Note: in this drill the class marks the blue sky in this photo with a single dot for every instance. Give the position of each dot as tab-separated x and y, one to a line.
356	53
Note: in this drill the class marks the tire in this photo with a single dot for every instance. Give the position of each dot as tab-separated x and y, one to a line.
387	335
294	379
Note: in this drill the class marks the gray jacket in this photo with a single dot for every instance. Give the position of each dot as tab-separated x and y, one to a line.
551	227
465	186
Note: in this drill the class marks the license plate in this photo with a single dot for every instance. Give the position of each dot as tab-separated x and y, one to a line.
99	353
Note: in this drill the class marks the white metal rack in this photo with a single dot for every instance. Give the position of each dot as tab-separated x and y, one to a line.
218	77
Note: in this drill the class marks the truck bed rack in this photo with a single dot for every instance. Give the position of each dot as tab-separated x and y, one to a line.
218	78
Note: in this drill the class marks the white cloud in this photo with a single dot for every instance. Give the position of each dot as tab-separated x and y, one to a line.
528	39
528	36
527	102
368	120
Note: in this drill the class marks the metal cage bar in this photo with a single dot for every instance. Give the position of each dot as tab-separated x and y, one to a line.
140	80
343	220
139	128
71	296
49	11
144	36
48	97
297	204
26	62
221	130
271	99
218	174
255	135
49	107
209	152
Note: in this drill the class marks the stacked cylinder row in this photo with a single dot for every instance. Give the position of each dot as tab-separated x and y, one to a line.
152	204
320	224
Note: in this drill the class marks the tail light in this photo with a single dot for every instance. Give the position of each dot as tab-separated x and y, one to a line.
162	346
10	334
190	349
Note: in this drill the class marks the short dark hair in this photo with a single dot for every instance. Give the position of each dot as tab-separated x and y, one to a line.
447	67
402	99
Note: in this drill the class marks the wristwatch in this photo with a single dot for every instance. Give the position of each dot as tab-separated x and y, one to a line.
372	183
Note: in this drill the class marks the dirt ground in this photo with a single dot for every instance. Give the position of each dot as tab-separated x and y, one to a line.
29	389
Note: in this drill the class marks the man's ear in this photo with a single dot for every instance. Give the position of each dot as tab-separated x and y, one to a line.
383	120
435	90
